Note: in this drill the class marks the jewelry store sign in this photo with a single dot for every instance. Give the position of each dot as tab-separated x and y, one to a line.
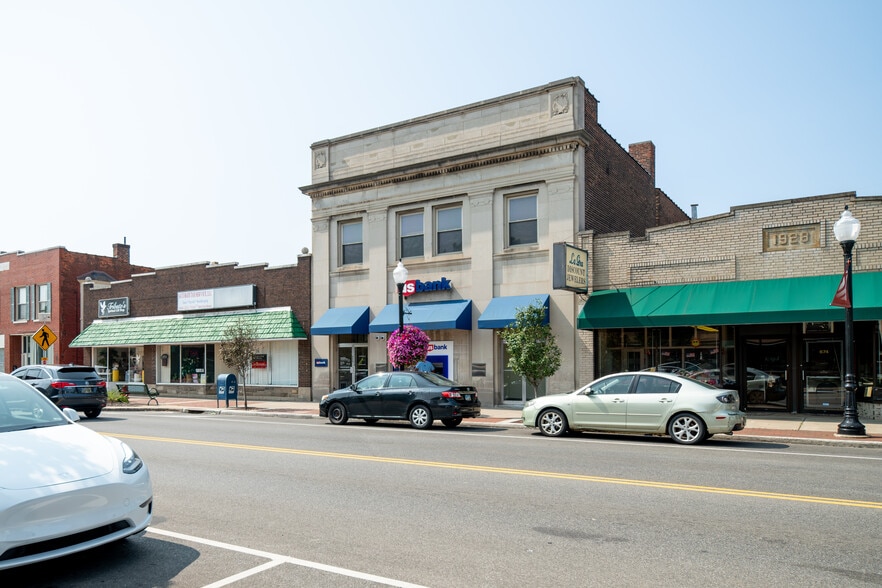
570	268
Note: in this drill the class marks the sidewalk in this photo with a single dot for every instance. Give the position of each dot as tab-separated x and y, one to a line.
781	427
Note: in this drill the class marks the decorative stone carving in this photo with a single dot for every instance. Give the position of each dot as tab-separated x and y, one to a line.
560	104
321	159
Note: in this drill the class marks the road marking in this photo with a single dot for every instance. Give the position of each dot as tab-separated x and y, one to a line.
276	560
519	472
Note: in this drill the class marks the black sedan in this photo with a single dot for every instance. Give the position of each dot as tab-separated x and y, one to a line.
414	396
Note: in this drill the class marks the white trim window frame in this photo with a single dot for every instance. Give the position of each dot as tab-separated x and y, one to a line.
351	242
448	229
44	300
411	234
522	219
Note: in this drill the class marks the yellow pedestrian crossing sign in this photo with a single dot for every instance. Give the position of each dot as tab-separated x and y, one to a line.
45	337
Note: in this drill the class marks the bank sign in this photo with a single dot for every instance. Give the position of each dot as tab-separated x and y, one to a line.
112	307
418	287
570	268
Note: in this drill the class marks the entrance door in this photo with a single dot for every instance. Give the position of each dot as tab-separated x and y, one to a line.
352	363
515	388
764	378
823	374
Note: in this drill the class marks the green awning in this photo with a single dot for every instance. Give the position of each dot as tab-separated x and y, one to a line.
786	300
268	325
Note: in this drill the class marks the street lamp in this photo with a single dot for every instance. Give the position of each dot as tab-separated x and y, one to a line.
846	230
399	274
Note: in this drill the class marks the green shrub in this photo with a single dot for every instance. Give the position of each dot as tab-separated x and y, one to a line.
115	396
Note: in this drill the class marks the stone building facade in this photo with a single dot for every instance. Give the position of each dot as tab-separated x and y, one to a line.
473	199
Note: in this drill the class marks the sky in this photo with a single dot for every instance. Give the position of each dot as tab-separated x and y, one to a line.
183	127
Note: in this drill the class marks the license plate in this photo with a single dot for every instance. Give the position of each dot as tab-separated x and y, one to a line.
468	397
86	390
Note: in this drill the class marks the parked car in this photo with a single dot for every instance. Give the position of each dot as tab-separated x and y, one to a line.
406	395
73	386
63	487
658	403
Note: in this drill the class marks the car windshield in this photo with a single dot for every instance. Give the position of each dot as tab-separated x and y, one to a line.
22	407
77	373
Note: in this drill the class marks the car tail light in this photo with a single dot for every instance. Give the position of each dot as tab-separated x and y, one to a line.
60	385
727	398
451	394
101	384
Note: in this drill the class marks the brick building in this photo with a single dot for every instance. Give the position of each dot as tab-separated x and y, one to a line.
164	327
40	288
743	299
474	200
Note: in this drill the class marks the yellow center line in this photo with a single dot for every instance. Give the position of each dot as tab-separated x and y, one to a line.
519	472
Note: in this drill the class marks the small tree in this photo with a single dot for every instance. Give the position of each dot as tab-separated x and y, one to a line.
532	349
407	347
237	350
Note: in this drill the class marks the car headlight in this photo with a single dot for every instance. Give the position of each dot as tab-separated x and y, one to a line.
131	461
530	403
325	397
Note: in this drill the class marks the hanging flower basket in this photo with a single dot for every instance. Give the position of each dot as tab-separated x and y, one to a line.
407	347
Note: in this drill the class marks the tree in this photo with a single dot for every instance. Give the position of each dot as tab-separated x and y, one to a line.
532	348
237	350
407	347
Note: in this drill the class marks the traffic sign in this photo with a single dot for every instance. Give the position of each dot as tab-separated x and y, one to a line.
45	337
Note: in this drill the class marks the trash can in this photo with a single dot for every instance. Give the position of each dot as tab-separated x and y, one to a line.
227	388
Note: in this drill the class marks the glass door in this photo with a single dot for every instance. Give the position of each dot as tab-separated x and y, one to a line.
515	388
764	378
823	374
352	362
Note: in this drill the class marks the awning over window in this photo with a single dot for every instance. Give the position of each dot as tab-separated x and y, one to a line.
428	316
501	311
349	320
276	324
787	300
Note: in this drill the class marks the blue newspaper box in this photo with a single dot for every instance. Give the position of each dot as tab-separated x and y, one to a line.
227	388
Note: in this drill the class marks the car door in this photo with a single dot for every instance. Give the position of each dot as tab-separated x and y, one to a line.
603	406
40	379
651	403
397	395
366	401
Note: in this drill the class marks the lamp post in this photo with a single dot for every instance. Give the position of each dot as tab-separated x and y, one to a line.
399	274
846	230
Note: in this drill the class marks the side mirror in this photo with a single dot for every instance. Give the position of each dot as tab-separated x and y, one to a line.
71	414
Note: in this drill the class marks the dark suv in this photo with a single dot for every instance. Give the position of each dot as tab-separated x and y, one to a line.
75	386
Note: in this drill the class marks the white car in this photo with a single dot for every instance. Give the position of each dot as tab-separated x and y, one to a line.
63	487
658	403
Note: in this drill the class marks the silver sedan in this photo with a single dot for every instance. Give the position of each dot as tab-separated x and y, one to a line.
658	403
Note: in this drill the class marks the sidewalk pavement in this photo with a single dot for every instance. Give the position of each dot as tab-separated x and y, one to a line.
780	427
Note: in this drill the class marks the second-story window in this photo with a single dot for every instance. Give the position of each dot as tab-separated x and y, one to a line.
448	226
351	243
44	301
522	220
410	229
21	306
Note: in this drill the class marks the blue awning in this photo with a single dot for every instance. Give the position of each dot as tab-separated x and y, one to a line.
501	311
349	320
428	316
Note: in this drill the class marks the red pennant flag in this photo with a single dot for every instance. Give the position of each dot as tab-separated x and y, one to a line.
842	298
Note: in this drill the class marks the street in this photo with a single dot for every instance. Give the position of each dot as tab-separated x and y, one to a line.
251	501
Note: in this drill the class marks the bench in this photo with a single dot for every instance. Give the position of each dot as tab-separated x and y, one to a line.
133	388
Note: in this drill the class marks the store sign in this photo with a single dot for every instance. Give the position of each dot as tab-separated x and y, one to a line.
570	267
112	307
215	298
418	287
258	361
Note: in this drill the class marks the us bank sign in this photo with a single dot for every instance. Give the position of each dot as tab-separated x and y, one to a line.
570	268
112	307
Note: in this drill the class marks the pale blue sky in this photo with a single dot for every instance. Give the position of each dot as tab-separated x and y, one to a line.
184	126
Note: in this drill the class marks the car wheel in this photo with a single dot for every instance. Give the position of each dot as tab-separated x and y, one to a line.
687	429
92	414
420	417
337	414
450	423
371	421
552	423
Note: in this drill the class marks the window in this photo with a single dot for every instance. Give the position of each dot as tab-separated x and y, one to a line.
410	227
613	385
448	223
44	301
522	225
21	306
656	385
351	242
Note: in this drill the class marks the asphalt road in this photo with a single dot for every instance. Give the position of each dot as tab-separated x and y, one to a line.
251	501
